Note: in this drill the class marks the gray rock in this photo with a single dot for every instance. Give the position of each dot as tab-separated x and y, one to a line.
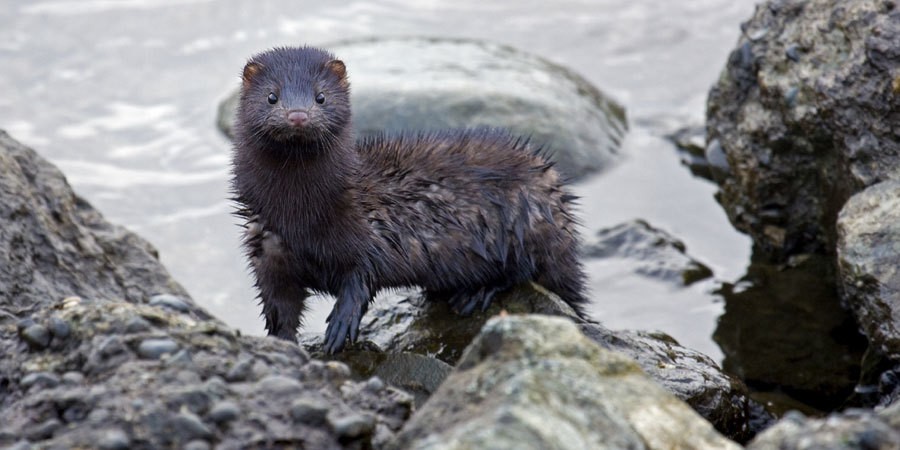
197	445
114	439
37	336
309	411
59	328
868	253
170	301
850	430
465	83
355	427
224	411
155	348
52	244
648	251
535	382
42	379
805	113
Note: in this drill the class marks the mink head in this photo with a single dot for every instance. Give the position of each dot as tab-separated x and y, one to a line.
294	95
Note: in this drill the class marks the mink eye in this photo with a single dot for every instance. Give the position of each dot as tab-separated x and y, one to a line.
320	98
273	99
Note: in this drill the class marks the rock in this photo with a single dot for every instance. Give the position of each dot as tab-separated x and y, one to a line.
416	374
309	411
37	336
703	160
103	382
355	427
53	244
170	301
466	83
224	411
155	348
114	439
408	323
850	430
868	257
537	382
647	251
805	112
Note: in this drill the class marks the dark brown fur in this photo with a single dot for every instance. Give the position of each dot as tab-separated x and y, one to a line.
464	213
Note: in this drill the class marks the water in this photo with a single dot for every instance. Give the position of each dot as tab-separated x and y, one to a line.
122	96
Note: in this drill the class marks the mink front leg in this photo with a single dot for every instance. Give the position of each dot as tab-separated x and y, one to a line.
343	322
283	299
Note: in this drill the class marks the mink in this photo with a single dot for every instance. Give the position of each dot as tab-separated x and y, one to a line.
463	214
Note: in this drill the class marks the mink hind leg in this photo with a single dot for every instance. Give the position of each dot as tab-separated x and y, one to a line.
465	301
564	276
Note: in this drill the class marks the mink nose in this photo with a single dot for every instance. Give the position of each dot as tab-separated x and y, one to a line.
298	118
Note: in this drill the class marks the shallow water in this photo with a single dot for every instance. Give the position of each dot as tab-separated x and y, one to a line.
122	95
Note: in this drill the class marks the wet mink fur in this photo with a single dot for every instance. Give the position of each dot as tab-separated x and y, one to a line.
464	214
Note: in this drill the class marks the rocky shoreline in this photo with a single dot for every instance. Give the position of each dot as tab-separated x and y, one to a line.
103	349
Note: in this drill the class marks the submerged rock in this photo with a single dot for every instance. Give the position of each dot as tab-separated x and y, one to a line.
648	251
465	83
537	382
806	113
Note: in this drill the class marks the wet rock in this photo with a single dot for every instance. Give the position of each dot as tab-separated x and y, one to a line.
868	260
465	83
850	430
408	323
647	251
356	427
416	374
806	114
537	382
105	381
704	161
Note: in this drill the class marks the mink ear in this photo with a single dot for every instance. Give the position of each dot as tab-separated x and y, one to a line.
250	71
337	67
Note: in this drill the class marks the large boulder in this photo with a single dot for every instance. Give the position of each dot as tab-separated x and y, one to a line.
535	382
806	112
868	252
102	349
453	83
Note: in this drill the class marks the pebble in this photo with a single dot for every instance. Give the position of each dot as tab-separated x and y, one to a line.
24	323
137	325
21	445
374	385
197	445
115	439
36	335
60	328
181	359
155	348
353	427
280	385
73	378
309	411
43	379
170	301
190	427
224	411
44	430
241	371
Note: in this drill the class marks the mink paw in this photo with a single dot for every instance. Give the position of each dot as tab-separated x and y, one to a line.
343	322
